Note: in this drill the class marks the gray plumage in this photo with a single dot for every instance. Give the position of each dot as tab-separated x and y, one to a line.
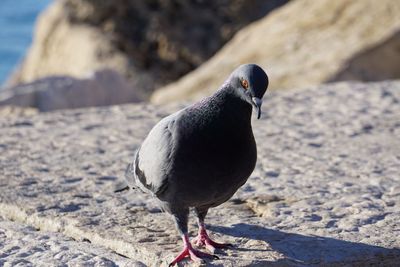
199	156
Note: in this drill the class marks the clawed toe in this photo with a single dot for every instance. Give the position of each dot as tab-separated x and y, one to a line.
193	254
203	240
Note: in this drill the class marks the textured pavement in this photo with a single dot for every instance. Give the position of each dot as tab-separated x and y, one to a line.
326	189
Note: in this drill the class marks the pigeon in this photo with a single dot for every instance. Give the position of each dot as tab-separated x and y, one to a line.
198	157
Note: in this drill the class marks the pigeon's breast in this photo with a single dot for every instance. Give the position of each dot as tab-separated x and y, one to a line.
213	159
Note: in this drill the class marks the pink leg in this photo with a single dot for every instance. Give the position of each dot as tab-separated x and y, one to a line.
188	250
203	239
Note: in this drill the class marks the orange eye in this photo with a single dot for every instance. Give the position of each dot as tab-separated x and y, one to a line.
244	83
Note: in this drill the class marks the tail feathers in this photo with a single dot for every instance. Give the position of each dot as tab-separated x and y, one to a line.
130	174
130	180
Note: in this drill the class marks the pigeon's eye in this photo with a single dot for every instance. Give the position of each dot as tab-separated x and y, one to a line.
244	83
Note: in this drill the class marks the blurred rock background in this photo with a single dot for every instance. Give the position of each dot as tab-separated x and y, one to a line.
150	43
166	50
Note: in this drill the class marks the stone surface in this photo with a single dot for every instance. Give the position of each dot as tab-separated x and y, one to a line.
325	190
22	245
102	88
333	40
17	111
149	42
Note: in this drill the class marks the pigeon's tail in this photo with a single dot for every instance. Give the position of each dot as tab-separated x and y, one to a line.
130	178
130	174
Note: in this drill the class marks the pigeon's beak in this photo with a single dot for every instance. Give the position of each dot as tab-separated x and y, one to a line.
257	104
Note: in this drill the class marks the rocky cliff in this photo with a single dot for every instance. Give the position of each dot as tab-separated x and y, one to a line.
149	42
306	43
325	191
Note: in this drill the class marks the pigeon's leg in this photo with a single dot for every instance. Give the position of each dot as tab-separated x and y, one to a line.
181	220
202	238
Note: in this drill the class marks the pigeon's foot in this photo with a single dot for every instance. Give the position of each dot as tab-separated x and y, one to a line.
193	254
203	239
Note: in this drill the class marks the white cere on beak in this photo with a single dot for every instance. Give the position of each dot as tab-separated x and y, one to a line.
257	101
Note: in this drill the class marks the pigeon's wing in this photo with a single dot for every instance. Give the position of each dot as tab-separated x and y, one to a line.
152	162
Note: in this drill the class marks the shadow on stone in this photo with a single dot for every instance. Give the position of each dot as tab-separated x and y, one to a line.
300	250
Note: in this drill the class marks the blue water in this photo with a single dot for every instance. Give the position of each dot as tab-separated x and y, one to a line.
17	21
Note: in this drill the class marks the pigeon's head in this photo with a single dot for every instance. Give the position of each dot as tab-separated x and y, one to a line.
250	83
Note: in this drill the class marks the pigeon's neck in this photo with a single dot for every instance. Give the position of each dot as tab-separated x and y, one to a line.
232	104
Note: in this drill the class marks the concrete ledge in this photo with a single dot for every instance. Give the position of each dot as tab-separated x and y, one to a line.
325	190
